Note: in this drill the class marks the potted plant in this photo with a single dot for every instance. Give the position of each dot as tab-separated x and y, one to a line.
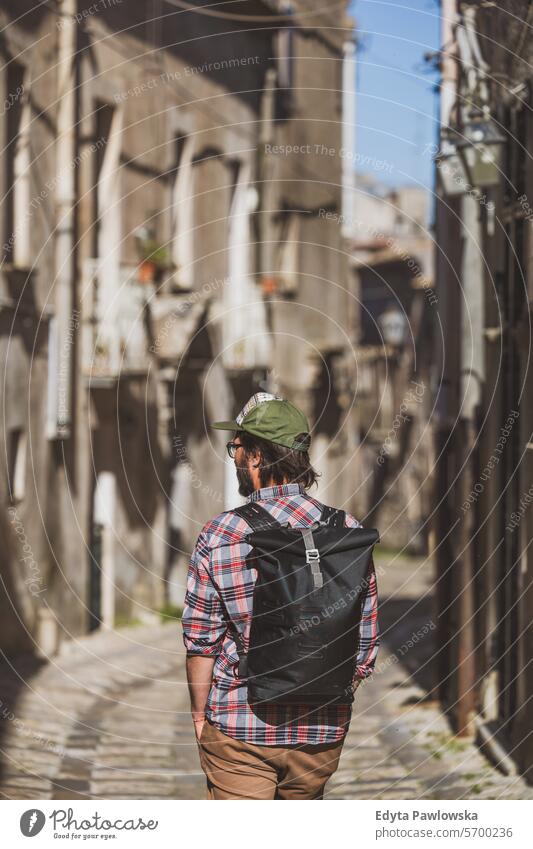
153	259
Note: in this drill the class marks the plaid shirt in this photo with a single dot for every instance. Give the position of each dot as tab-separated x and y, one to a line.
218	571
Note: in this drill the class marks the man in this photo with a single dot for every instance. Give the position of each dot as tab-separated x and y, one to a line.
260	751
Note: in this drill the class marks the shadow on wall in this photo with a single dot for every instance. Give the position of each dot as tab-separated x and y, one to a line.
404	628
327	415
233	52
127	444
16	644
13	634
13	685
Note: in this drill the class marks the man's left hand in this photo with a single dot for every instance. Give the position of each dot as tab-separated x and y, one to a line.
198	726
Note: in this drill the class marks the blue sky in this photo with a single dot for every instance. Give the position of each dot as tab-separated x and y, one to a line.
396	98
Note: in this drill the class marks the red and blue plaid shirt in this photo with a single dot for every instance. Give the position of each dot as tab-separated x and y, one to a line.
219	580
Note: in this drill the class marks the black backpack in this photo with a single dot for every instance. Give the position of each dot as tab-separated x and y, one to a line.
306	608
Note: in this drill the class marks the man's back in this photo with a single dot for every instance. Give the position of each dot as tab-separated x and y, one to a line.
220	585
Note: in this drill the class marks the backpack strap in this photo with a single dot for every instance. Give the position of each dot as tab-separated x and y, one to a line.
257	517
312	558
333	517
242	665
241	670
260	519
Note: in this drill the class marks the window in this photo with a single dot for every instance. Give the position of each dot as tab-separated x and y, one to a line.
289	254
245	337
19	158
58	412
108	219
16	464
286	57
183	214
108	236
52	404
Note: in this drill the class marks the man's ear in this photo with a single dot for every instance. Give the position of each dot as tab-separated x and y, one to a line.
257	459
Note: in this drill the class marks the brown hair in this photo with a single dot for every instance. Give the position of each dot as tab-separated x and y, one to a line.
279	464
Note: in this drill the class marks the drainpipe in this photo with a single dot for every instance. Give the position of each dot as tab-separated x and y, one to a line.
472	357
349	70
447	365
468	381
266	189
448	80
64	323
264	173
471	378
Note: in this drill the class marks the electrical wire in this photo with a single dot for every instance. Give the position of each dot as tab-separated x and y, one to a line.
522	37
209	11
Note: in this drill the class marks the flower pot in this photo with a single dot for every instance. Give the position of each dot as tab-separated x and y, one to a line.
147	271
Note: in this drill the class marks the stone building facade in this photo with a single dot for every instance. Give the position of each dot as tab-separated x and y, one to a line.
165	255
483	442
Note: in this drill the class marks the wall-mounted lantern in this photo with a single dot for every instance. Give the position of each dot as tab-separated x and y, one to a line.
481	148
393	326
450	167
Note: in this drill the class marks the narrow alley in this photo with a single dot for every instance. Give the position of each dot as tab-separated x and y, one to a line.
109	718
266	255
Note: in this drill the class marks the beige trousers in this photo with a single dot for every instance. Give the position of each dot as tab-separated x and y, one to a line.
236	769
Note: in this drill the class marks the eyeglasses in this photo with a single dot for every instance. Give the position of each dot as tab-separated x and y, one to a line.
231	448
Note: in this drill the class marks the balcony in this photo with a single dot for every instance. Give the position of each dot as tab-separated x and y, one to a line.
115	325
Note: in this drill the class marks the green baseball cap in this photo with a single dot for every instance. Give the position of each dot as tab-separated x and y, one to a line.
270	417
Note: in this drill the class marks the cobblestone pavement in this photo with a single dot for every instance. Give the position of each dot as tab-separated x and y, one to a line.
108	718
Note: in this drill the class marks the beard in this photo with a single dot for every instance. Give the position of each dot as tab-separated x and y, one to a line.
244	478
